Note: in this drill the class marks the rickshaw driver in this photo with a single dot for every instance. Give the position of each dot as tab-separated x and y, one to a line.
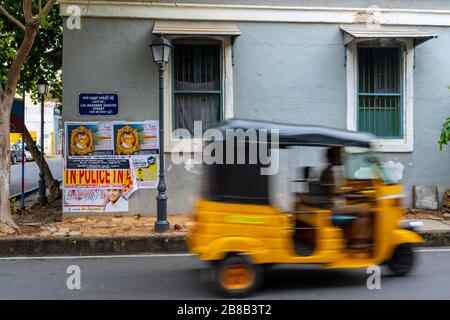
334	177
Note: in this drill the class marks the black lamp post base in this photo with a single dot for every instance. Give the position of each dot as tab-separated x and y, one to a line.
162	226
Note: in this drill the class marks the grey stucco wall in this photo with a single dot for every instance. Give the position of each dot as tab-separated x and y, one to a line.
291	73
296	73
427	165
283	72
113	56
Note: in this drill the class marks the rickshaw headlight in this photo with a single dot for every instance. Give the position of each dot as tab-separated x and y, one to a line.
411	225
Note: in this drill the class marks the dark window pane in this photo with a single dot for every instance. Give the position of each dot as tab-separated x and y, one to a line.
379	70
197	85
197	67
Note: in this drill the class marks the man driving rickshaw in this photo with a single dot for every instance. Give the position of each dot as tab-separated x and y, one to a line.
334	177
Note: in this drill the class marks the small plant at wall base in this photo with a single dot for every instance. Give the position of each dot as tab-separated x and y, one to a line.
445	133
13	203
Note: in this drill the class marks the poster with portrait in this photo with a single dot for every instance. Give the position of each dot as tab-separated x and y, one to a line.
85	200
89	139
89	145
106	162
136	138
96	190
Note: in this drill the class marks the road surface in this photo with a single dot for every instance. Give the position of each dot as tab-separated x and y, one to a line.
184	277
32	174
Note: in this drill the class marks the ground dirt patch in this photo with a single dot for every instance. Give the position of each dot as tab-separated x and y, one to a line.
37	221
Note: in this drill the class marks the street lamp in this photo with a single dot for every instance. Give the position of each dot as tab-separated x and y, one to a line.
161	51
42	87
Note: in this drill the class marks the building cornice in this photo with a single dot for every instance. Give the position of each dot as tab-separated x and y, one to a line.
256	13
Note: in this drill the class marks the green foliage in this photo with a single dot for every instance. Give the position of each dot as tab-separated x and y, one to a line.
36	66
13	205
445	133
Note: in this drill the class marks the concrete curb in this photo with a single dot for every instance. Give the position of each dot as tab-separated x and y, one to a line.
91	246
437	238
131	245
26	193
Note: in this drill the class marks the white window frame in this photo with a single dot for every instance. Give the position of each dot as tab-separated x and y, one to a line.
195	144
406	144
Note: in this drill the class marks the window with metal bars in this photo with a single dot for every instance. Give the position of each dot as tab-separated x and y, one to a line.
380	94
197	84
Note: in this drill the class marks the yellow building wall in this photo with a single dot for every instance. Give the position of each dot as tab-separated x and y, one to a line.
15	137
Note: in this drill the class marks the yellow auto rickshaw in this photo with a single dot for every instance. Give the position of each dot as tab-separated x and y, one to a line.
239	230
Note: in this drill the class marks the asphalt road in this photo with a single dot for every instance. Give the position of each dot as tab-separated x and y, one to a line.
184	277
32	174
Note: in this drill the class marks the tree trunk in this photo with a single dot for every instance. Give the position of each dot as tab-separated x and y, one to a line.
6	101
7	224
52	184
7	93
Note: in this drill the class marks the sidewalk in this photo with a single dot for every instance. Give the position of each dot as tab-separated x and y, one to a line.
435	232
43	233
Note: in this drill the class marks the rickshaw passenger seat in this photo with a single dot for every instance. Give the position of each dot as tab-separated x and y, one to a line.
347	214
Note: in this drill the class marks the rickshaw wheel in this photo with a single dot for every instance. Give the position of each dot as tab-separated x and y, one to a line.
402	260
237	277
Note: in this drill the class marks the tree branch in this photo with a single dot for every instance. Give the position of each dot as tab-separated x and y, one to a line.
48	7
12	18
31	27
52	183
27	11
19	59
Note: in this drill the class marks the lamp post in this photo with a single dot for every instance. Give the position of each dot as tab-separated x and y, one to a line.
161	51
42	87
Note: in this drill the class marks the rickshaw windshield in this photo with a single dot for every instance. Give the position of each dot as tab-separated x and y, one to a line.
363	164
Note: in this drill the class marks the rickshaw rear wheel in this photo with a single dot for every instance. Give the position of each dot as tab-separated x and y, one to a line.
402	260
237	277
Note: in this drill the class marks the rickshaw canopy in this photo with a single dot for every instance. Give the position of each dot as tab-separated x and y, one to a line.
291	134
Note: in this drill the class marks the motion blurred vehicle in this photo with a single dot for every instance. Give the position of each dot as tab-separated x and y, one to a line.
28	156
241	232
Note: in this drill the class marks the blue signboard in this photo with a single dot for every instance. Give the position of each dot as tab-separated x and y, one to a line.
17	114
106	104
